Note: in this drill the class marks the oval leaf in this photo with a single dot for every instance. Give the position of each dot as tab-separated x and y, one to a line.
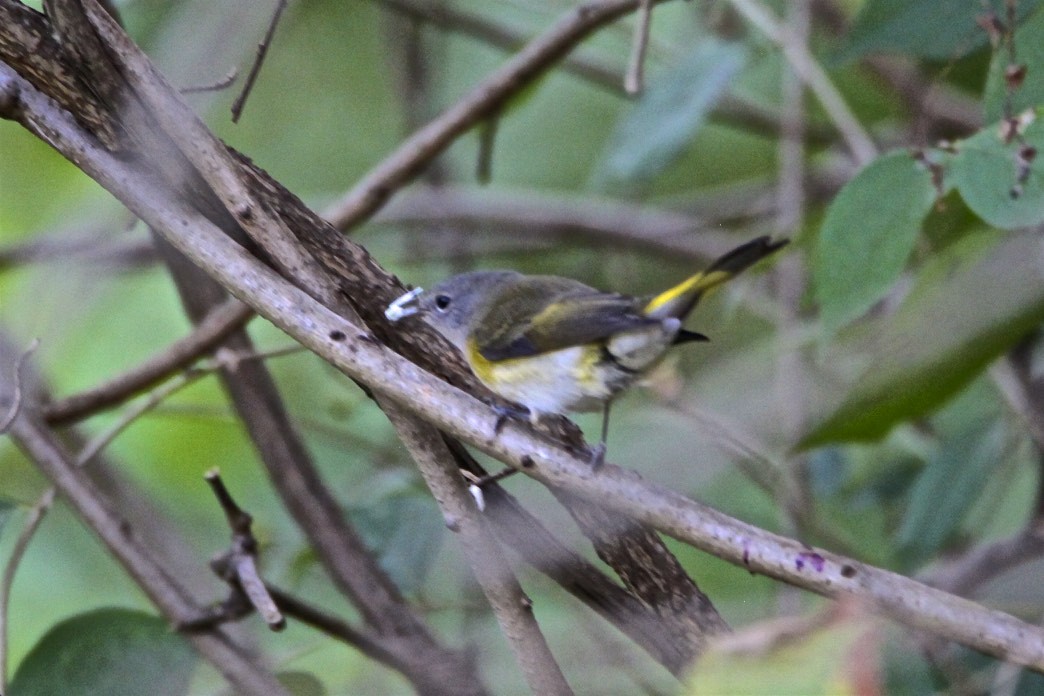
984	171
107	652
938	341
867	236
1029	44
943	29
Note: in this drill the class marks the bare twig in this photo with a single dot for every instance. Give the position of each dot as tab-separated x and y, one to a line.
972	569
82	248
100	441
238	565
224	360
510	605
594	219
32	523
255	68
732	109
209	157
805	65
223	83
633	79
206	336
242	669
397	169
17	394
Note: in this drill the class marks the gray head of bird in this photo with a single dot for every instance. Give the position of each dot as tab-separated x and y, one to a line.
454	305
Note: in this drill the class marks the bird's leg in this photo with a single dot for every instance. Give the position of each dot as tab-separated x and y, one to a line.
598	452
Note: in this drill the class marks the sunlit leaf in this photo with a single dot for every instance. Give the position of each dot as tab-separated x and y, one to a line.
663	122
941	338
985	173
107	652
763	659
868	234
943	29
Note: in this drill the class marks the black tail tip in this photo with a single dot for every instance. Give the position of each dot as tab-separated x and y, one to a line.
746	255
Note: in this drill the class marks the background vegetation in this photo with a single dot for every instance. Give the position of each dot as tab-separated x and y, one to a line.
876	391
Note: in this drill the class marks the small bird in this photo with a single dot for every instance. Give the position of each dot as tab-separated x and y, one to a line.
554	345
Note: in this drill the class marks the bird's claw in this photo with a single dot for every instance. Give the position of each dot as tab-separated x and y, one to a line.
505	412
597	456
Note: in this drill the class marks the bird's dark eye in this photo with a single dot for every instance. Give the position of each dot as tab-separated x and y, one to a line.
442	302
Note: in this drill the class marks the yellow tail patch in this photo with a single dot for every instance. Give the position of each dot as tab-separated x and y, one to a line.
679	300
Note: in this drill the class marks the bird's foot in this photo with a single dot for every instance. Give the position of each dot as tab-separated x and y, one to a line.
504	412
596	456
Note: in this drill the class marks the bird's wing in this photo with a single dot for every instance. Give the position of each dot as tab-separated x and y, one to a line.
574	315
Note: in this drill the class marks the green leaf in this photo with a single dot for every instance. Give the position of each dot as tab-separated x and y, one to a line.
942	29
820	661
1029	47
939	340
107	652
406	530
867	236
985	170
661	125
301	683
947	488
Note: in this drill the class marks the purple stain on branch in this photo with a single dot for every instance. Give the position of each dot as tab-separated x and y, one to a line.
812	558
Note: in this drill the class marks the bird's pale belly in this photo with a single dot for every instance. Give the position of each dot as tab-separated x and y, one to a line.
572	379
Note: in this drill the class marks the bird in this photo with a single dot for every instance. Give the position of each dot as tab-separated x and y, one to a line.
554	345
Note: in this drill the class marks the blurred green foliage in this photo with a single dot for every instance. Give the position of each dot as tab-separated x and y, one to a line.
878	366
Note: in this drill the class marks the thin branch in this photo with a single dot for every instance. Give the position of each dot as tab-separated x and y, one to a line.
155	397
732	109
205	337
224	83
633	79
238	566
17	393
510	605
242	669
32	523
205	153
224	360
255	68
593	219
414	153
63	248
811	72
981	564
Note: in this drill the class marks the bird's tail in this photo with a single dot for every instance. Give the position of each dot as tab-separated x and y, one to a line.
682	298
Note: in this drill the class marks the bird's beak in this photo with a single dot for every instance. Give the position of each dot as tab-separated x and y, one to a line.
404	306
